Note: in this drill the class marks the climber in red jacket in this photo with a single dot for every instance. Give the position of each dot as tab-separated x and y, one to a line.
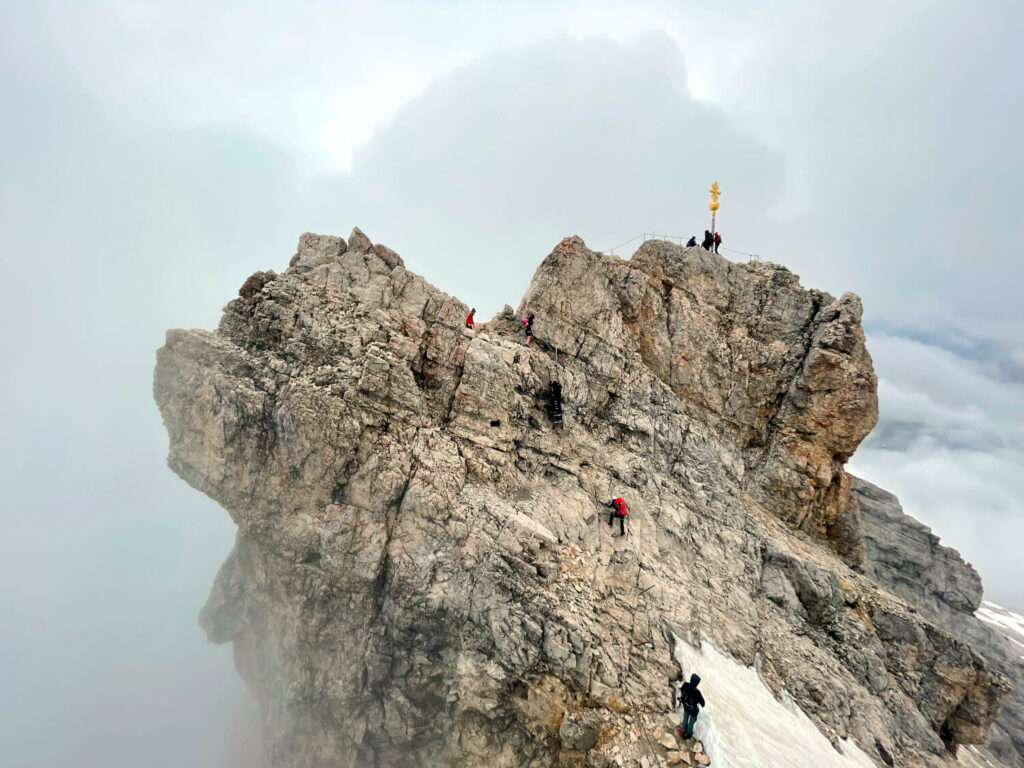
469	318
618	510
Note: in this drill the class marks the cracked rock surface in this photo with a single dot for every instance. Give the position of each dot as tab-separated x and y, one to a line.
424	574
906	557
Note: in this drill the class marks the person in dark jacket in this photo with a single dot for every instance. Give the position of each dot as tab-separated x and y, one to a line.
718	240
528	328
692	700
709	240
618	510
692	241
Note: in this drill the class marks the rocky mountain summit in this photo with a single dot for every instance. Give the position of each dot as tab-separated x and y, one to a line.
424	573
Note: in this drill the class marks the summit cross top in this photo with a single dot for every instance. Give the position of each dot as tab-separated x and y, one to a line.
713	205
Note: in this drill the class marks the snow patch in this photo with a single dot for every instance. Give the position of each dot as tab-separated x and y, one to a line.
973	758
745	726
1009	624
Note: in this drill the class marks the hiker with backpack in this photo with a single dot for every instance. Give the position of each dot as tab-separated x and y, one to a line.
469	318
692	241
718	240
528	328
691	700
618	510
709	240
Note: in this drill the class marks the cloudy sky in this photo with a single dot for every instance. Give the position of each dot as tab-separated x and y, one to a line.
152	155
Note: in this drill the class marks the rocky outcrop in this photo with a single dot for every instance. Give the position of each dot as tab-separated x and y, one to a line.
906	558
781	374
424	574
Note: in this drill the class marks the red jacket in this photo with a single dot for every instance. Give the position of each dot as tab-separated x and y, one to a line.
718	239
620	507
469	319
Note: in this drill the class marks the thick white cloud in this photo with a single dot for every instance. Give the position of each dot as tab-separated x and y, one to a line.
952	398
111	234
155	154
950	444
480	175
899	126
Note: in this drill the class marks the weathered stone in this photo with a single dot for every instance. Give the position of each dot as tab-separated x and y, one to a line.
577	733
254	283
815	589
779	373
315	250
906	558
358	241
424	574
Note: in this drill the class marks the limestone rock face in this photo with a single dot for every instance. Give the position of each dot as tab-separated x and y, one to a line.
424	573
906	558
315	250
780	373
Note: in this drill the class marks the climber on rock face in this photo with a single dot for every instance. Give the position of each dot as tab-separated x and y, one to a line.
469	318
692	241
618	510
528	327
692	700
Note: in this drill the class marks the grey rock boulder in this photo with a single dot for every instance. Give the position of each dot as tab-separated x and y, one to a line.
358	241
578	734
316	250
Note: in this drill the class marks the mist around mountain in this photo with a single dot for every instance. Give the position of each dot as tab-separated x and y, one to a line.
427	571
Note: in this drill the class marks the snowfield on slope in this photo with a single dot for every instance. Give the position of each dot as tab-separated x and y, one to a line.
1009	624
745	726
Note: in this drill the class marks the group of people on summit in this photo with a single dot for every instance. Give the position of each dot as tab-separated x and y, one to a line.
710	243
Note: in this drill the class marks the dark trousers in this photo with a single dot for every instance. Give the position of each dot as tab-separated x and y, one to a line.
622	521
687	725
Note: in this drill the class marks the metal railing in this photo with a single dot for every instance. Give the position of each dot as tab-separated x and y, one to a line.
678	239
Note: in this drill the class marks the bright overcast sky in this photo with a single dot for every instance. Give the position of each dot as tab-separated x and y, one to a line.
155	154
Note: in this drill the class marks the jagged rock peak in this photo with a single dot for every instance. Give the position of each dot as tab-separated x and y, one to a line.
314	250
906	558
424	573
358	240
780	371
